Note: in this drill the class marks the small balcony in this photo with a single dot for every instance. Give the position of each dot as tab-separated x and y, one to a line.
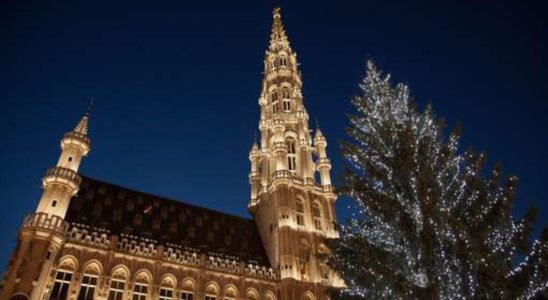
63	176
281	174
44	221
323	162
279	147
76	138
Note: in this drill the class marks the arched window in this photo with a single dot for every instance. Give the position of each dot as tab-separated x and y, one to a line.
286	99
211	292
61	285
317	215
291	155
140	288
274	100
63	278
300	212
231	293
140	291
283	61
118	284
252	294
87	289
188	290
166	288
116	290
89	281
166	293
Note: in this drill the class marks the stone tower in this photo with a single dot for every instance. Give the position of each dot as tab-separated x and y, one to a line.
293	211
41	234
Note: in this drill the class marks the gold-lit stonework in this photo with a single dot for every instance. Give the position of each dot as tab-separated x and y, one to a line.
90	239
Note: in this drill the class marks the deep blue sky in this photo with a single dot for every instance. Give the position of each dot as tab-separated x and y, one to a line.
176	87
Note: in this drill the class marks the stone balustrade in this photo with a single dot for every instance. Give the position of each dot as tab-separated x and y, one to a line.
60	174
148	248
281	174
138	246
89	236
228	265
285	174
44	221
255	270
180	255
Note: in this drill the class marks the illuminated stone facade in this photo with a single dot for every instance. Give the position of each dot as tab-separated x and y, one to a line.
94	240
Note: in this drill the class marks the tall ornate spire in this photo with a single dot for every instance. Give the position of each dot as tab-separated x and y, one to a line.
278	35
287	201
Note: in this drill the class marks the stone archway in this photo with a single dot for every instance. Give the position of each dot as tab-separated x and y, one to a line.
19	297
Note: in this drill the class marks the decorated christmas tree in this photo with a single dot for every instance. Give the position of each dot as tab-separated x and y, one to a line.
431	222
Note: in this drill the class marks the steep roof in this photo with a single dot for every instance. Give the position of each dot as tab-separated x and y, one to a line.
124	211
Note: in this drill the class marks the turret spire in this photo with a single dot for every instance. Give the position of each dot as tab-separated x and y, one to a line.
83	124
278	35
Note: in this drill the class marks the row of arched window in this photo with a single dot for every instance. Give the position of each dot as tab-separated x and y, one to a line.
141	289
285	95
316	213
279	61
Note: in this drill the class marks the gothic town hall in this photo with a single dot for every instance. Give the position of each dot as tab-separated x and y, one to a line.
90	239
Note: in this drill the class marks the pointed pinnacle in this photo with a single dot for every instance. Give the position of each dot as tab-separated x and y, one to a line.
278	32
83	124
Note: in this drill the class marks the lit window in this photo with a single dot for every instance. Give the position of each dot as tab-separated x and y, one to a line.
287	105
87	289
187	296
166	294
140	291
291	155
300	212
317	214
274	102
61	286
117	288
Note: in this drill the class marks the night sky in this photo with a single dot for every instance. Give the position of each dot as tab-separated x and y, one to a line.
176	87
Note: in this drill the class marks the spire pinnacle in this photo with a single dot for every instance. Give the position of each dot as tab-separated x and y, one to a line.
319	134
278	35
82	126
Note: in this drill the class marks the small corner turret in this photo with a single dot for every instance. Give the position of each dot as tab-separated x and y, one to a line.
62	181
